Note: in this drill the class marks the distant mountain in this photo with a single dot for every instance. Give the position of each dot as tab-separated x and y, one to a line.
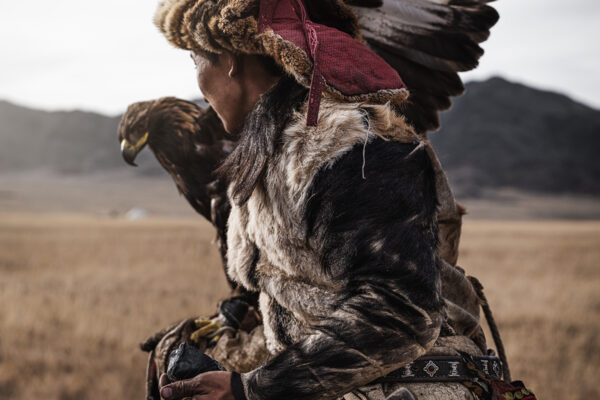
63	142
503	134
499	134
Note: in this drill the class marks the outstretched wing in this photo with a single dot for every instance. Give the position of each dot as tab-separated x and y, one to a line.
428	42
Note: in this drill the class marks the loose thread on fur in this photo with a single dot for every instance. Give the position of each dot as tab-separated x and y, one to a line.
364	153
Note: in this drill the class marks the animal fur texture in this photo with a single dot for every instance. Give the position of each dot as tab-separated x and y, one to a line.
340	238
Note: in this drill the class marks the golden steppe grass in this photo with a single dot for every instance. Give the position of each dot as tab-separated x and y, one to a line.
77	295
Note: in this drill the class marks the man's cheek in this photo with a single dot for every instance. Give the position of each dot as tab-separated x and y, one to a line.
202	85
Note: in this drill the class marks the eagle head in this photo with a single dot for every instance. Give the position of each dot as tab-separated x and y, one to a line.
134	130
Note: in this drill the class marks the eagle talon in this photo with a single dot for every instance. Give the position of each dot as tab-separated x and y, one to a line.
214	341
205	327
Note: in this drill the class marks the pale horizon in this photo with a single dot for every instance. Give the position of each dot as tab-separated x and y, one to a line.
100	57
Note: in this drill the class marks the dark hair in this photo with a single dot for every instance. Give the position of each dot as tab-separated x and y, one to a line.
247	163
270	65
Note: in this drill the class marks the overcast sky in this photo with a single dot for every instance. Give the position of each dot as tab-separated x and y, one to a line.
103	55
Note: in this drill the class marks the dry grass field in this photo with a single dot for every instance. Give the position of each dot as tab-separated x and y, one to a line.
78	293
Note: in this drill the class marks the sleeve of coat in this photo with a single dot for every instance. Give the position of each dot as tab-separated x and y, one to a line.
378	235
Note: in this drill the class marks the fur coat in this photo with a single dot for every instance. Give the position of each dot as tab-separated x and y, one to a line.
335	227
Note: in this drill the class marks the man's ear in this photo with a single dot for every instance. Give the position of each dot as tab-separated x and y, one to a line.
234	64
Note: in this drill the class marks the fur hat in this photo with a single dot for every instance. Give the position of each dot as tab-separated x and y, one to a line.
316	41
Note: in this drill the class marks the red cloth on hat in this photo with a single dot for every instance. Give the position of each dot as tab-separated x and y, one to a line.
344	63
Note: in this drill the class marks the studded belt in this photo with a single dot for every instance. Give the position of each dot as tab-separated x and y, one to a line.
445	369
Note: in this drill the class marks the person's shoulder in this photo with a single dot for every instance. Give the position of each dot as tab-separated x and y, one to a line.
380	171
347	136
342	124
346	132
391	172
340	128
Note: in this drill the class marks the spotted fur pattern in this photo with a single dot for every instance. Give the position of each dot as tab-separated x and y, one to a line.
339	236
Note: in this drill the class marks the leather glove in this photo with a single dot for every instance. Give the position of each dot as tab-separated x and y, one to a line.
201	333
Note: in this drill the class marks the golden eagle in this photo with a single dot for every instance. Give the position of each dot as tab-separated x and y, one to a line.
190	143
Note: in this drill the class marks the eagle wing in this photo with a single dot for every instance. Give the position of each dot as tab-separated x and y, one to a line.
191	145
428	42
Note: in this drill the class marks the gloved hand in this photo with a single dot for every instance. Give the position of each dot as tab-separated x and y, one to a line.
201	333
160	345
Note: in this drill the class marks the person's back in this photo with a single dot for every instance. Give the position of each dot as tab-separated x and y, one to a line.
334	218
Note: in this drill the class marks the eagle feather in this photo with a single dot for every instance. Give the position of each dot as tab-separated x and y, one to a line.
428	42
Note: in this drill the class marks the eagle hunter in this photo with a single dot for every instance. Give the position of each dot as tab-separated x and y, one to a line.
425	42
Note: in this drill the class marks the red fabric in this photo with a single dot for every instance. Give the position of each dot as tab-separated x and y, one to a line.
265	14
316	87
344	63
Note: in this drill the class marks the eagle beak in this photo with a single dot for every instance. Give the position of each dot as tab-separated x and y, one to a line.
129	150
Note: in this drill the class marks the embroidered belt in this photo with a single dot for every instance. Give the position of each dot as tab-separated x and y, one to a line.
445	369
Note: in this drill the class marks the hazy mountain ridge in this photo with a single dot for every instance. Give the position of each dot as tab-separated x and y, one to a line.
503	134
499	134
70	142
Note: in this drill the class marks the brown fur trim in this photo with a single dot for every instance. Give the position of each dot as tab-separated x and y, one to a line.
288	55
233	23
170	19
197	19
393	96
